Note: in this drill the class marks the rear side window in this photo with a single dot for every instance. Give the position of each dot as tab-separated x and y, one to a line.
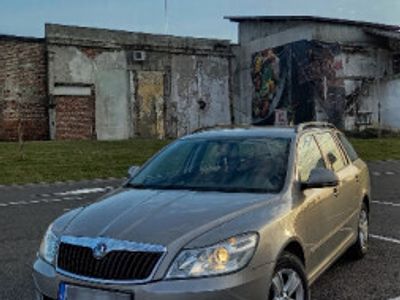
309	157
348	147
331	151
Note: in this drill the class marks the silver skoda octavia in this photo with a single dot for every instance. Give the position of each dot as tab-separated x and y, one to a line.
251	213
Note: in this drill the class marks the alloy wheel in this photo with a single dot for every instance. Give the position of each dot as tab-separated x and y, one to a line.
363	229
287	285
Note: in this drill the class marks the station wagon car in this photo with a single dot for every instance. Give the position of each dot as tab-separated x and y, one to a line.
252	213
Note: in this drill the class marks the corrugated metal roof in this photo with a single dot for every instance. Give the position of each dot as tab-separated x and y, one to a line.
283	18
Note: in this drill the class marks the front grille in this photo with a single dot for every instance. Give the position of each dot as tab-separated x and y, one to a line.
115	265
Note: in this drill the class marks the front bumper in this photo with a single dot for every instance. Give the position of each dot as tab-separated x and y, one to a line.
249	284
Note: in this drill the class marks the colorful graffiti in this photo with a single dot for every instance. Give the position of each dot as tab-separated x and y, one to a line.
266	76
289	81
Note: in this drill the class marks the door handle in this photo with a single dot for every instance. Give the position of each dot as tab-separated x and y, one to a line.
335	192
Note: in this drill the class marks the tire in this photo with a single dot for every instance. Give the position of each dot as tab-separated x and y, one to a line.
360	248
289	280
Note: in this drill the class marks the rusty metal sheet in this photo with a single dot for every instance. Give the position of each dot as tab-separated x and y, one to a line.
150	104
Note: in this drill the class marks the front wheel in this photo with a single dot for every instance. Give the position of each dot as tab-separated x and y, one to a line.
289	281
360	248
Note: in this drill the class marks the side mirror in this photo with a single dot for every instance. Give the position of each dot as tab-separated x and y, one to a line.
332	158
133	171
320	178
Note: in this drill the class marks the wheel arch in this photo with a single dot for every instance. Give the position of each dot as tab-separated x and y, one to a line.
293	246
366	201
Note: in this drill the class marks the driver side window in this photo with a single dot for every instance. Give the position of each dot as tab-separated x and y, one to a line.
308	157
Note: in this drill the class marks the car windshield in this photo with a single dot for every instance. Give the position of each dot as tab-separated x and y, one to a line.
256	165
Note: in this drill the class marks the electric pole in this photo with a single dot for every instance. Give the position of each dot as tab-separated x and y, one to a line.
166	16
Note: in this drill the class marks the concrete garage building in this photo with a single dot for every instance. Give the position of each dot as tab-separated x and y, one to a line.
299	68
87	83
108	84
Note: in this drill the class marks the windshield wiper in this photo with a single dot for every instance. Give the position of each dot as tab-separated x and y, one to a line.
136	185
229	189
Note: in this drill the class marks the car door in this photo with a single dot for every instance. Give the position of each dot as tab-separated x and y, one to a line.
358	168
314	222
341	214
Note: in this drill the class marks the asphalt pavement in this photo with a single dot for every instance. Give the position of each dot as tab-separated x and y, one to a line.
26	211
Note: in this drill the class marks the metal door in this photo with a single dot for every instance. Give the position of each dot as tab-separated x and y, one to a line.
149	104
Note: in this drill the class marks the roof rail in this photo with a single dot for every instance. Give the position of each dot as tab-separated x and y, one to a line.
309	125
219	126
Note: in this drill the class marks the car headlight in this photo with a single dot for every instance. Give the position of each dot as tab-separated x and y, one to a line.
49	246
225	257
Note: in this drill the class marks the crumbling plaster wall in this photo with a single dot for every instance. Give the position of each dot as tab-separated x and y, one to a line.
365	71
196	85
199	92
390	106
235	73
195	81
107	72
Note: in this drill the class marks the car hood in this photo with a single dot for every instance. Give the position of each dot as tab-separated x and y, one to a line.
160	217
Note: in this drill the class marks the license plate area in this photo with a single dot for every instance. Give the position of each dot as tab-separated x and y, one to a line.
73	292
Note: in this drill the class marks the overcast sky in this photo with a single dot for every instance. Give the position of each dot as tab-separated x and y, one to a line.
201	18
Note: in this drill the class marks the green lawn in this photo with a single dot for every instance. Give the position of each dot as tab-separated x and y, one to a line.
378	149
59	161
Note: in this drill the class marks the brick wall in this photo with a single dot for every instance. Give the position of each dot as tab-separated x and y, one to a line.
23	94
75	117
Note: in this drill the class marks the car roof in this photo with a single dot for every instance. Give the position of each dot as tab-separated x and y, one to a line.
246	132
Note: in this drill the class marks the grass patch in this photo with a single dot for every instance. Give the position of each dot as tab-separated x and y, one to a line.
51	161
377	149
